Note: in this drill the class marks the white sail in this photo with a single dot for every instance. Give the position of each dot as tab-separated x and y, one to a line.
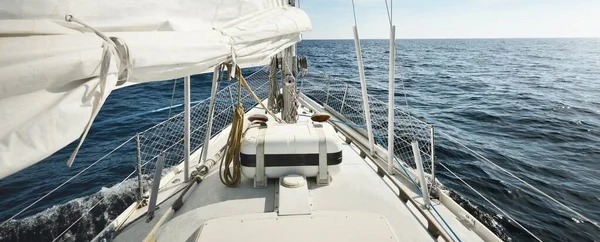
50	85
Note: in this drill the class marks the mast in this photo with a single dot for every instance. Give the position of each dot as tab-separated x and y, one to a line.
289	112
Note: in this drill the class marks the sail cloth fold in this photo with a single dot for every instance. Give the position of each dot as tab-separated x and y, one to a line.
49	68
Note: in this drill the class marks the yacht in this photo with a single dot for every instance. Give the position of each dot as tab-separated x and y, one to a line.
286	153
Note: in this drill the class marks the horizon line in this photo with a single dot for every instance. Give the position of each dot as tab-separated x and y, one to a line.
458	38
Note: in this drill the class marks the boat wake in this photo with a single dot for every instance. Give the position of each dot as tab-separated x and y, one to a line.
488	218
50	223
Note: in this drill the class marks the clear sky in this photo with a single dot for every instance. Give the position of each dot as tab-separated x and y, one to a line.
332	19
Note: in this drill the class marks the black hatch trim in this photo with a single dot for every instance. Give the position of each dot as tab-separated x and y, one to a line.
273	160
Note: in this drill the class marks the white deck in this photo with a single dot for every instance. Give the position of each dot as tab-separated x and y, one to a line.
340	226
355	196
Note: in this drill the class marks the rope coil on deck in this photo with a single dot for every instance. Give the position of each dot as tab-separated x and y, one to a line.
230	167
231	178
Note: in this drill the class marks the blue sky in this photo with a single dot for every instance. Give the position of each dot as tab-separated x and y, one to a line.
332	19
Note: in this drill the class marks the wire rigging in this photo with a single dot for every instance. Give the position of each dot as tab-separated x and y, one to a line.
390	21
172	97
490	202
67	181
90	209
483	158
354	12
389	13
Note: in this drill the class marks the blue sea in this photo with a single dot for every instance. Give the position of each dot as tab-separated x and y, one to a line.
531	106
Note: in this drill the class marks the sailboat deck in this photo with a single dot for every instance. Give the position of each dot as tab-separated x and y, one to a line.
355	191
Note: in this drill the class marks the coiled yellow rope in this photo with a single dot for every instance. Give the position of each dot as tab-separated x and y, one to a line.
230	167
232	154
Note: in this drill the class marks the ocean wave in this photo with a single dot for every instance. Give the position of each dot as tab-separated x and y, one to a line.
50	223
487	217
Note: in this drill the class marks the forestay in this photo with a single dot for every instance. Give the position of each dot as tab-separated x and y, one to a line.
51	88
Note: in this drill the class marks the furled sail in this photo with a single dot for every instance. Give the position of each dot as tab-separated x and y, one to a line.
55	75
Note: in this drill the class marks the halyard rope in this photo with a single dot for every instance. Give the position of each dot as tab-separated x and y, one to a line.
274	96
243	82
230	167
112	47
231	159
